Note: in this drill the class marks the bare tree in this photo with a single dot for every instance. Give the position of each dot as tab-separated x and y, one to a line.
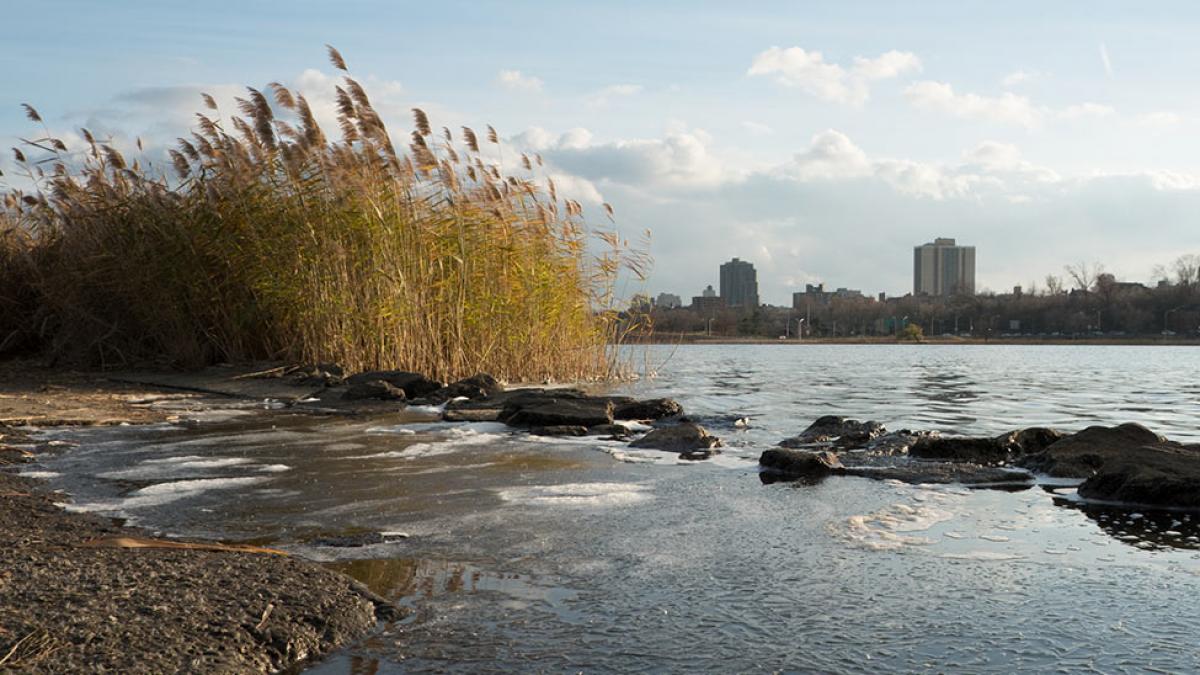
1084	275
1187	269
1054	285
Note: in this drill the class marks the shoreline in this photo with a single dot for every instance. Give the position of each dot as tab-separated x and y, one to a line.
79	592
1133	341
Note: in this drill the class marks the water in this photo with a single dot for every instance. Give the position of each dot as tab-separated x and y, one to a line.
579	555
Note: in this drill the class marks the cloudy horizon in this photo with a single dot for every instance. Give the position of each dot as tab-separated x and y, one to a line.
820	144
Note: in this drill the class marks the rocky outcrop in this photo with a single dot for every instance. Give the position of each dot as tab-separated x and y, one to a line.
1164	474
837	432
380	390
415	385
1080	455
553	411
788	464
689	439
895	442
1029	441
986	451
478	386
652	409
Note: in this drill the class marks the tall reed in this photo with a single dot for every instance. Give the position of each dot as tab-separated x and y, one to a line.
273	241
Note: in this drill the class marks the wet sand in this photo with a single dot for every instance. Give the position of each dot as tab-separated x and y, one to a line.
68	606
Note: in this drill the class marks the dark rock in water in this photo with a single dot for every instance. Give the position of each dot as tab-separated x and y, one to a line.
319	375
1081	454
560	430
700	454
472	415
895	442
1155	475
617	431
476	387
1029	441
986	451
373	389
559	411
415	385
356	540
800	464
839	432
688	438
653	409
944	472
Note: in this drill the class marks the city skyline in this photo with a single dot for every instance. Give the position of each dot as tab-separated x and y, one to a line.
815	140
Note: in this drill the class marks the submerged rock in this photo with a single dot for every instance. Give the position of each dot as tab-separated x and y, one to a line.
1082	454
357	540
415	385
966	473
373	389
688	438
835	431
618	432
800	464
1155	475
895	442
471	415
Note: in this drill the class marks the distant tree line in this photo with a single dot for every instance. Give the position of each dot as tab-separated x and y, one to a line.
1085	301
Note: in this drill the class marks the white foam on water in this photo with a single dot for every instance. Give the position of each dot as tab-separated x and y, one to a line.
578	494
273	468
41	474
165	493
403	431
453	440
994	537
954	535
888	528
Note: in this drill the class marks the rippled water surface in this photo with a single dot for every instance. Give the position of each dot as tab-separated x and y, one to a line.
581	555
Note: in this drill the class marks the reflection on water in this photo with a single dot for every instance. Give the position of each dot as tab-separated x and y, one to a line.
534	554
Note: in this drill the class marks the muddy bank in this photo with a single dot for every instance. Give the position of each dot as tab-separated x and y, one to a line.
67	605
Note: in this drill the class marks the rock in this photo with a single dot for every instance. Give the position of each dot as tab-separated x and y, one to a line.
800	464
1029	441
653	409
357	540
560	430
618	432
895	442
687	438
415	385
1166	475
986	451
1081	454
839	432
373	389
699	455
476	387
943	472
472	415
320	375
559	411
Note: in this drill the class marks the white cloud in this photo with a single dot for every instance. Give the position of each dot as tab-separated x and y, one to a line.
1108	69
1160	119
1007	108
808	70
757	128
515	80
1018	77
605	96
1081	110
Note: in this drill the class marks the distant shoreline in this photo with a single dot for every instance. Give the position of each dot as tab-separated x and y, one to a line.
1145	341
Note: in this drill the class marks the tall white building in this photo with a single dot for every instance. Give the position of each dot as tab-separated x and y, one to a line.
943	268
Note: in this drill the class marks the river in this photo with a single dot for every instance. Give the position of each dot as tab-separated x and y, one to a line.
526	554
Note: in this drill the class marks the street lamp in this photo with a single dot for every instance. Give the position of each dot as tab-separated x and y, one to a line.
800	329
709	328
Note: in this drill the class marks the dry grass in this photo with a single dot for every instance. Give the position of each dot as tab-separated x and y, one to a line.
273	241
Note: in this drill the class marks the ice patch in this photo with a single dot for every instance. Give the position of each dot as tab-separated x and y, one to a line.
981	555
166	467
41	474
994	537
578	494
886	528
165	493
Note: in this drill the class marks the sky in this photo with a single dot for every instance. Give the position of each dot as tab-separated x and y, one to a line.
819	140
